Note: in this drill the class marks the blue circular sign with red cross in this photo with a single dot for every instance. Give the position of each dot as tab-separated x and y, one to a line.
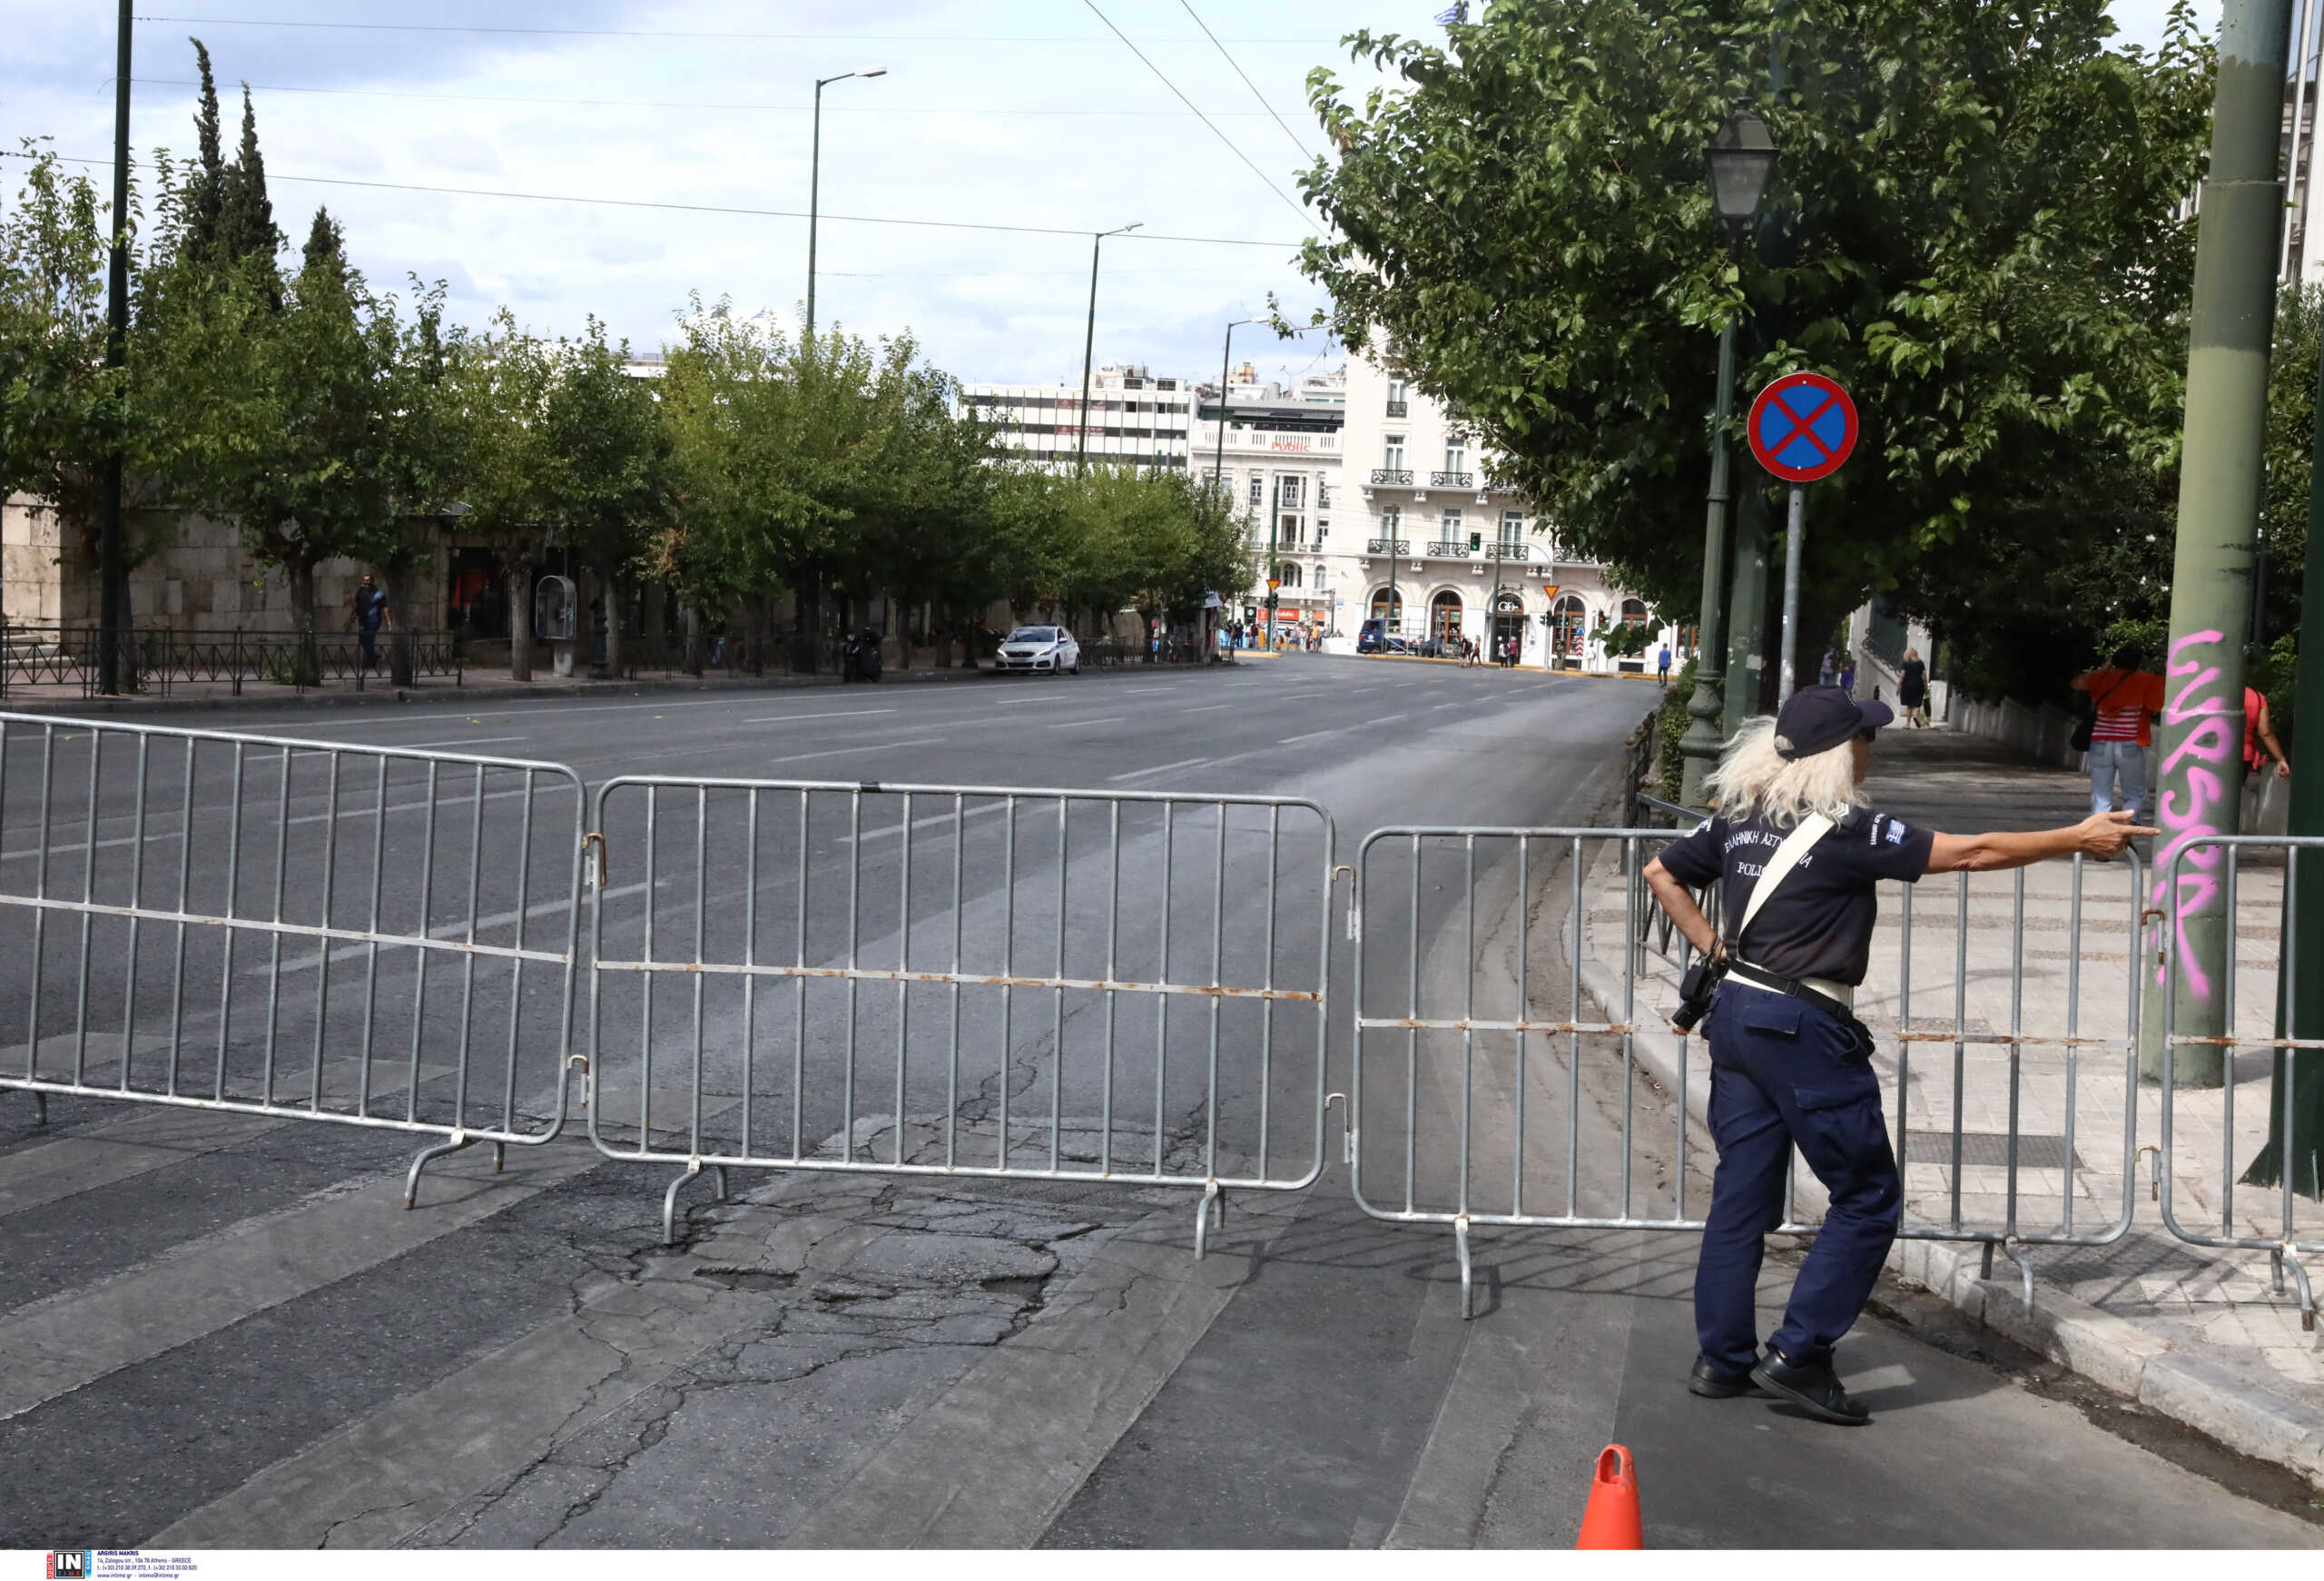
1802	427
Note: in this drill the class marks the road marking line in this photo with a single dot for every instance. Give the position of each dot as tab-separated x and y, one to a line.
834	714
196	1288
1310	736
1160	768
1087	723
464	741
869	747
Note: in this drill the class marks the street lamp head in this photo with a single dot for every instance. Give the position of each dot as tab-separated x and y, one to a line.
873	72
1742	157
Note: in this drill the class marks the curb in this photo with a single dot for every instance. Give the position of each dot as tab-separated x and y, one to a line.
2110	1351
500	691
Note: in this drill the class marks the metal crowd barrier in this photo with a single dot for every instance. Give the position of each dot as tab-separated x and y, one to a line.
187	916
961	981
1464	1110
2267	1210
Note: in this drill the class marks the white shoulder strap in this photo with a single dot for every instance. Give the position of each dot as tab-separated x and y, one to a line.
1795	845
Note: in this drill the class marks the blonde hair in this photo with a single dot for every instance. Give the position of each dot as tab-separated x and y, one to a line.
1752	777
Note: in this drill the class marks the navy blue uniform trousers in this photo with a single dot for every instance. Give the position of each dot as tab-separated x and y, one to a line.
1784	1072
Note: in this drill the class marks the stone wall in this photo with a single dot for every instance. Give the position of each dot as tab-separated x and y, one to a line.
203	580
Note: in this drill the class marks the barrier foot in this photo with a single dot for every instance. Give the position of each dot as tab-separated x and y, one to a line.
454	1143
40	1109
723	1192
2306	1292
1211	1201
2024	1260
1468	1286
670	1200
2275	1269
1984	1260
500	1157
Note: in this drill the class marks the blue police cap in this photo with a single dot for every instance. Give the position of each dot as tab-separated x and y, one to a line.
1818	719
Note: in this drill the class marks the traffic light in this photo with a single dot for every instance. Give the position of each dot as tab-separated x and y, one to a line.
1476	541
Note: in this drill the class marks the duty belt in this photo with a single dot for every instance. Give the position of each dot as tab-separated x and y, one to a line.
1837	998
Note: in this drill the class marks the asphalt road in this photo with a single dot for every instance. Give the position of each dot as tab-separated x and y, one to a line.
222	1330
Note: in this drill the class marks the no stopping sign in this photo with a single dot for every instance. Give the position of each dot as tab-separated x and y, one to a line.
1802	427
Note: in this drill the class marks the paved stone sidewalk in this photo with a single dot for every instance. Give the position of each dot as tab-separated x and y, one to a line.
1949	969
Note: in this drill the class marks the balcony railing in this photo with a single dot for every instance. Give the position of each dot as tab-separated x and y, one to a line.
1392	476
1388	546
1451	480
1398	407
1509	551
1450	551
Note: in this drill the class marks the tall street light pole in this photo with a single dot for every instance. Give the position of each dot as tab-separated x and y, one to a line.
1225	355
1090	342
112	581
816	180
1742	156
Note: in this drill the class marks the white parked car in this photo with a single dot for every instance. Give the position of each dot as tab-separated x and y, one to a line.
1044	649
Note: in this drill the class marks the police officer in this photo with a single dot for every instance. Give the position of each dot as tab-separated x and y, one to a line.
1790	1064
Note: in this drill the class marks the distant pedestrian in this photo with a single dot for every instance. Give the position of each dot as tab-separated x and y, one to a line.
2122	696
1824	676
1662	666
371	614
2259	737
1912	689
1508	653
1847	674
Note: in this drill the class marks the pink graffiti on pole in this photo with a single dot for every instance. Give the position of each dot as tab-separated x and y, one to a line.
2216	738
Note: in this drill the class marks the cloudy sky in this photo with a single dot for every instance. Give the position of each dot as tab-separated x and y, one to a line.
1030	113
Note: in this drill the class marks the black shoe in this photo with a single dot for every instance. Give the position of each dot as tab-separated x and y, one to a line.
1814	1389
1714	1382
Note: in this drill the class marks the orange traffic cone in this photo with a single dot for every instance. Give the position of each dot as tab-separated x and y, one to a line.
1611	1519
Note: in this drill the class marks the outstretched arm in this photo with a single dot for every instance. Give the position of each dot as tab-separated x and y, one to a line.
2099	835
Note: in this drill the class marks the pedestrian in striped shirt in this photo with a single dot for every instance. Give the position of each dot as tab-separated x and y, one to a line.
2121	697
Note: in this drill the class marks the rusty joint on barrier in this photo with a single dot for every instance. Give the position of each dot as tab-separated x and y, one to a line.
600	872
971	979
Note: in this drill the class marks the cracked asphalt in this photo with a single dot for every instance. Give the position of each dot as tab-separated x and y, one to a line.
224	1332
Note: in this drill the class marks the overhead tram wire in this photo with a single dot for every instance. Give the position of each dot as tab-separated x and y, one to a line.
1262	98
1189	104
663	103
676	33
392	186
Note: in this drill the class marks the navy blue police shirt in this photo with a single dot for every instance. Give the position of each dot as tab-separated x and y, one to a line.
1819	924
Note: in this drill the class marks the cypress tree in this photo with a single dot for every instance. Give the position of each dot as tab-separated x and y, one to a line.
204	188
246	216
325	245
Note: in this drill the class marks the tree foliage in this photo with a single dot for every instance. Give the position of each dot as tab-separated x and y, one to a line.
1973	224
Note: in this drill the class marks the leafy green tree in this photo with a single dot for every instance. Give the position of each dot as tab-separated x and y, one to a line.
607	455
1972	225
494	393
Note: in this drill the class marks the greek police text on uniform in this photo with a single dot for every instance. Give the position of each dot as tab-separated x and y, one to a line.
1790	1064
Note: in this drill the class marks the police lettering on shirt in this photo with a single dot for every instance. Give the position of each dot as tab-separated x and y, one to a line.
1819	922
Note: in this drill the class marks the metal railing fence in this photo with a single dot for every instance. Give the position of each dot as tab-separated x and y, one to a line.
373	936
2260	1208
1473	1061
156	662
945	980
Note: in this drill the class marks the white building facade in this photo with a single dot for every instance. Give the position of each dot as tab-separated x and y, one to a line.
1134	417
1384	508
1280	457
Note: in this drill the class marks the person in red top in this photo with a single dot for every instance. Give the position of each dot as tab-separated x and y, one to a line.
2259	741
2122	696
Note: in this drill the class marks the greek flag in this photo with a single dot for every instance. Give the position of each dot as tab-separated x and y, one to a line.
1457	11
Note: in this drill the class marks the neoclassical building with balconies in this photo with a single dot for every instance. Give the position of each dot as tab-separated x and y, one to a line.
1369	503
1450	549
